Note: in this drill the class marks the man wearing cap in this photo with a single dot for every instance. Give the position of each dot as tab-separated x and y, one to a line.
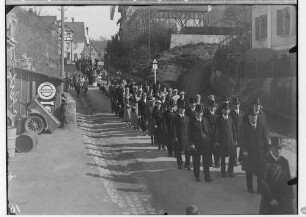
190	112
180	138
182	100
198	134
159	125
277	195
211	116
237	114
168	118
224	138
254	145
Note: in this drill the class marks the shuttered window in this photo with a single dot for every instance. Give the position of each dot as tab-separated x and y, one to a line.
261	27
283	21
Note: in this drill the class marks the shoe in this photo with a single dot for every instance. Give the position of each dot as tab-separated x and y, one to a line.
224	175
197	179
208	179
231	175
235	164
188	168
251	191
180	167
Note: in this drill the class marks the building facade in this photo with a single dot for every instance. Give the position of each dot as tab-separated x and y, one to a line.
274	27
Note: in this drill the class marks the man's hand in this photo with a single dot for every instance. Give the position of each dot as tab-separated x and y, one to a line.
245	154
155	126
236	144
192	147
274	203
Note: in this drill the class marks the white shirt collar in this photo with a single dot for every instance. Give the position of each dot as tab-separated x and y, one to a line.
274	157
182	115
199	119
225	117
237	111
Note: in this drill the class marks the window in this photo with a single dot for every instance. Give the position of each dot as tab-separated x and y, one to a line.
261	27
283	21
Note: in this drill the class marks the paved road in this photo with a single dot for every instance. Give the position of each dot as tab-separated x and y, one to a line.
139	179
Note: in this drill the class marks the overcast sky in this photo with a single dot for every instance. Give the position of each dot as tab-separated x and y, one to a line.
97	18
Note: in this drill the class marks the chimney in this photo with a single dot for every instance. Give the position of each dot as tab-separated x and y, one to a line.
87	30
72	19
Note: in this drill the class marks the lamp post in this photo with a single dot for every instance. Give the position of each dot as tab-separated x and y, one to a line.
154	66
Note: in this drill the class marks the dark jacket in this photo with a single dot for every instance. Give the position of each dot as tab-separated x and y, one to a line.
199	134
180	133
238	121
158	120
255	143
142	107
224	134
190	113
276	174
168	118
211	119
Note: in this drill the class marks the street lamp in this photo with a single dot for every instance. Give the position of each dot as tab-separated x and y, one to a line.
154	66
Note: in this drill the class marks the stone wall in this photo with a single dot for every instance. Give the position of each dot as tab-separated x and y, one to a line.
70	110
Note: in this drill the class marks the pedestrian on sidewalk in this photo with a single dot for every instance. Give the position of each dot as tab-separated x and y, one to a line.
198	134
127	107
224	138
134	111
211	116
254	146
238	117
159	125
78	87
142	112
169	117
149	118
277	195
180	137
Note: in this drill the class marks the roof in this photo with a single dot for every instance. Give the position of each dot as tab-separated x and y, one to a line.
51	20
99	45
47	72
78	29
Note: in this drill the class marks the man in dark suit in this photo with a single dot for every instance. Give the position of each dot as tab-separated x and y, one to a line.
142	112
277	195
254	145
211	116
198	134
238	115
190	111
262	118
180	137
224	138
168	118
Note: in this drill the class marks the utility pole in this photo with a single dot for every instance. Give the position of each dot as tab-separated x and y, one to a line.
149	35
62	46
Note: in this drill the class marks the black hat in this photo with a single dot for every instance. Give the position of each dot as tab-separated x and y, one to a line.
252	111
256	101
211	100
199	108
236	100
192	100
276	142
225	105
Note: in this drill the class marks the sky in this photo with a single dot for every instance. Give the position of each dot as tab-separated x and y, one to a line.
96	18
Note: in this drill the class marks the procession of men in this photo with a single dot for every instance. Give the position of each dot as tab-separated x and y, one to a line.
200	131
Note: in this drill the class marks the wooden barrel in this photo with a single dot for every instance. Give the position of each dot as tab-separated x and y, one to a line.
26	142
11	141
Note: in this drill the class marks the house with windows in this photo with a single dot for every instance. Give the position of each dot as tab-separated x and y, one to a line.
274	27
74	40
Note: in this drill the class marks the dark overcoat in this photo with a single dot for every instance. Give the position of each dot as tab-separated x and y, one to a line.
255	143
198	134
158	120
238	121
276	174
224	135
180	133
190	113
168	118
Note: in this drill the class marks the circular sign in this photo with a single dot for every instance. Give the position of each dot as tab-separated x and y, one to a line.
46	90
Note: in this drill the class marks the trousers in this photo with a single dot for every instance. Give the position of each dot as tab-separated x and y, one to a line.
196	158
230	168
179	159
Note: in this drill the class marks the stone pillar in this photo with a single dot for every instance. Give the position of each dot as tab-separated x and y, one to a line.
70	110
